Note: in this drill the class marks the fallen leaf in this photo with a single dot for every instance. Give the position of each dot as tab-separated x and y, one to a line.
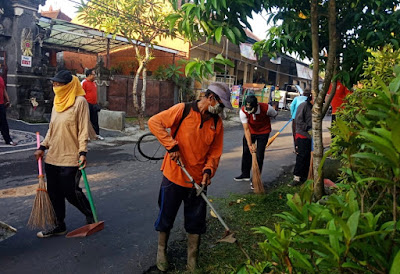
253	204
238	201
213	214
247	208
210	200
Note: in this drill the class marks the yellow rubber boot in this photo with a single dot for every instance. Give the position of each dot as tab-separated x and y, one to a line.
162	261
193	251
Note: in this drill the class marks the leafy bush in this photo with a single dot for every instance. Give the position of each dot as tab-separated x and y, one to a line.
335	237
357	229
173	73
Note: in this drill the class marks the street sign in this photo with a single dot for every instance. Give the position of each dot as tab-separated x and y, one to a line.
26	61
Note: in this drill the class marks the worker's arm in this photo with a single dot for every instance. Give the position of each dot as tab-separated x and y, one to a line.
247	135
6	98
83	130
271	112
246	128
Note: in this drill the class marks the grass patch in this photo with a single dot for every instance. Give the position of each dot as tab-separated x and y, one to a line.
224	257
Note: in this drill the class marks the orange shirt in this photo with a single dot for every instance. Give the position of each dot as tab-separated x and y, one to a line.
91	91
200	143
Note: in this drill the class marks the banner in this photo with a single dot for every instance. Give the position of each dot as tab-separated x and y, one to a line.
235	93
246	50
276	61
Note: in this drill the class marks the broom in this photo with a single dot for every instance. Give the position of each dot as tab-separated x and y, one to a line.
256	180
42	215
277	134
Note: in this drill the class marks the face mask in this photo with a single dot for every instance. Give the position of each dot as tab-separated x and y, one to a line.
249	110
217	109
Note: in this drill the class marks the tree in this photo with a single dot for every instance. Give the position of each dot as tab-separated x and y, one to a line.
335	34
141	22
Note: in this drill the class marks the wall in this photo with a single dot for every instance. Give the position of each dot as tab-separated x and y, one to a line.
78	61
159	95
125	59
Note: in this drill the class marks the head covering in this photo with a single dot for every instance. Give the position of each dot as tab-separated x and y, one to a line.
65	95
63	76
223	92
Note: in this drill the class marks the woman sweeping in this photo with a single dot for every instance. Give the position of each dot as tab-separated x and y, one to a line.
66	141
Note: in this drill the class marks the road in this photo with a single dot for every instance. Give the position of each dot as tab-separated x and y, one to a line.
125	192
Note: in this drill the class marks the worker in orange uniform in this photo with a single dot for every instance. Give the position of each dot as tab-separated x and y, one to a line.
90	87
198	145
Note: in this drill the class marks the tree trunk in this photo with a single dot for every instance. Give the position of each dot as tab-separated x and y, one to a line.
143	97
319	96
144	87
134	88
316	113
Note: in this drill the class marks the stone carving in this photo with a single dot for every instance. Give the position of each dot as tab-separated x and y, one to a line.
26	42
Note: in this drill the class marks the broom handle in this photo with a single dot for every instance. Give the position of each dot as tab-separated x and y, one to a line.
203	195
279	132
89	194
40	159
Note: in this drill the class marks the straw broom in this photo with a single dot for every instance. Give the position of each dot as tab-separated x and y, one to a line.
270	140
42	215
257	183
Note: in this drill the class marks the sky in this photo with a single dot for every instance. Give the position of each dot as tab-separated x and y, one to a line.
258	23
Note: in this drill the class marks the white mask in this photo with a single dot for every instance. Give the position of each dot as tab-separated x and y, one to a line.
217	109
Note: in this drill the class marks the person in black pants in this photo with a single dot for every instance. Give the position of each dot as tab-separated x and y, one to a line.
66	142
255	118
303	141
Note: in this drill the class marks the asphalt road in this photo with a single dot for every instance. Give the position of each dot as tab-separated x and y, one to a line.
125	192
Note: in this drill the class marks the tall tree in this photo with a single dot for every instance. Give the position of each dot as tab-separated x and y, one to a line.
335	34
141	22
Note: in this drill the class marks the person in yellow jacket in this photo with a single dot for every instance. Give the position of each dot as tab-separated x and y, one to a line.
66	141
276	97
197	142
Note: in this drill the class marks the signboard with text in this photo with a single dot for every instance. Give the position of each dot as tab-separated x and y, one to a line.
26	61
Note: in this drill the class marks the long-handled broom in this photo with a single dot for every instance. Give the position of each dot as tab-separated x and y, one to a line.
42	215
277	134
256	178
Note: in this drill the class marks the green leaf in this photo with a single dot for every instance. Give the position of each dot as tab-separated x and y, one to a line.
230	35
372	157
394	85
396	135
322	232
209	67
300	259
370	234
189	67
352	223
352	265
218	34
223	3
333	239
395	269
397	70
345	228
